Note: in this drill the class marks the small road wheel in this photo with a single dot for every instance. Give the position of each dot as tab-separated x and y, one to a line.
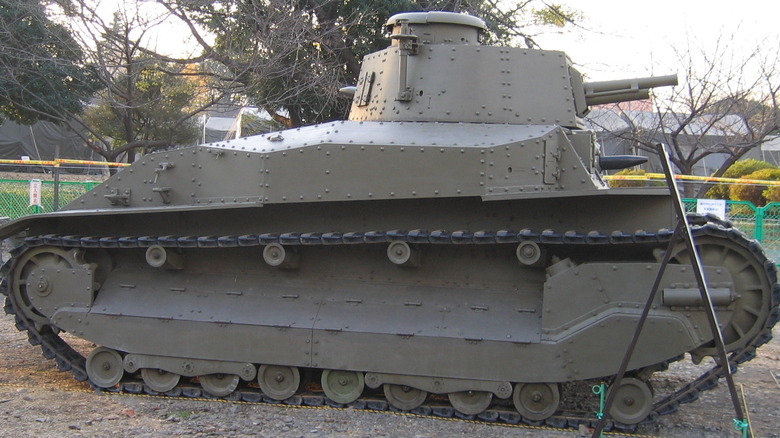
536	401
159	380
219	385
404	397
633	401
278	382
470	402
104	367
342	386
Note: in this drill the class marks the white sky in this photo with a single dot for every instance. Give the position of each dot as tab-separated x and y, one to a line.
169	37
614	39
635	38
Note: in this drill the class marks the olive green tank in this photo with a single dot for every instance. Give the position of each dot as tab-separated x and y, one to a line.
455	236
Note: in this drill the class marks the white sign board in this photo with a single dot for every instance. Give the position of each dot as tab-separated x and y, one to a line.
716	207
35	192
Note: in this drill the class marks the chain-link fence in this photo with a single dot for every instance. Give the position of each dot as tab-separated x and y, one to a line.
15	196
761	223
769	233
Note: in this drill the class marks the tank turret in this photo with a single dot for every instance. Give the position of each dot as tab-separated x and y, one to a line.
436	69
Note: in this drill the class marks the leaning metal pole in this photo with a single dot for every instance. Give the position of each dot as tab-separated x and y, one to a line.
683	230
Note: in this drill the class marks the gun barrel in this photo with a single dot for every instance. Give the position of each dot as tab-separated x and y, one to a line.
623	90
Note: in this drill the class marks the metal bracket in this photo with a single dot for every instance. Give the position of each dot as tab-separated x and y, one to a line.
161	168
407	45
365	84
188	367
440	385
552	157
164	192
117	198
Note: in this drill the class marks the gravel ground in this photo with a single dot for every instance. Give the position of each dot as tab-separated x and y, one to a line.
37	400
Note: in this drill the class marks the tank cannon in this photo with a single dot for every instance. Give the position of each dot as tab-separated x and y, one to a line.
454	236
624	90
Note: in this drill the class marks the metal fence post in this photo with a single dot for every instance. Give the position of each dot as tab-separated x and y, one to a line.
759	233
56	200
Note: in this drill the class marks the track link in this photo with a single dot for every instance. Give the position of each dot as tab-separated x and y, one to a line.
67	359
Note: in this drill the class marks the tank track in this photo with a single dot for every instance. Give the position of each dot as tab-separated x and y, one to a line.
67	359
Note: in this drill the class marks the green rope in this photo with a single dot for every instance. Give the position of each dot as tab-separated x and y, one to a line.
601	391
740	425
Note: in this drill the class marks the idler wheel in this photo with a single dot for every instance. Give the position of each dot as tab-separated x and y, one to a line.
105	367
219	385
278	382
470	402
30	280
159	380
402	254
754	304
633	401
536	401
342	386
404	397
278	256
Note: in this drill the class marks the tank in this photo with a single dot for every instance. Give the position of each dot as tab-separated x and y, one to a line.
454	237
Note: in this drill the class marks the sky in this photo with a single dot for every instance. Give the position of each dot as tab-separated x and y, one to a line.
168	36
614	39
627	38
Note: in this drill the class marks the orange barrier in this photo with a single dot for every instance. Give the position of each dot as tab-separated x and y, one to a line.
60	161
92	163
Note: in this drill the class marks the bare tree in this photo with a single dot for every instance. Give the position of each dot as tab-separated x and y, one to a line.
63	62
144	103
727	105
293	56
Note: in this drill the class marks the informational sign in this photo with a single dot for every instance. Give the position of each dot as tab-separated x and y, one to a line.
716	207
35	192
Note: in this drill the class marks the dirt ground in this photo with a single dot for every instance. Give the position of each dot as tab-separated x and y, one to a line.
37	400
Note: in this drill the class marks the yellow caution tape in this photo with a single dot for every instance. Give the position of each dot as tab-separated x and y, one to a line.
657	176
91	163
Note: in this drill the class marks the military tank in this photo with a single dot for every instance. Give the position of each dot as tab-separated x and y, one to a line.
455	237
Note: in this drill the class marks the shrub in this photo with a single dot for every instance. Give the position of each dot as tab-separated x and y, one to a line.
772	194
737	170
757	194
